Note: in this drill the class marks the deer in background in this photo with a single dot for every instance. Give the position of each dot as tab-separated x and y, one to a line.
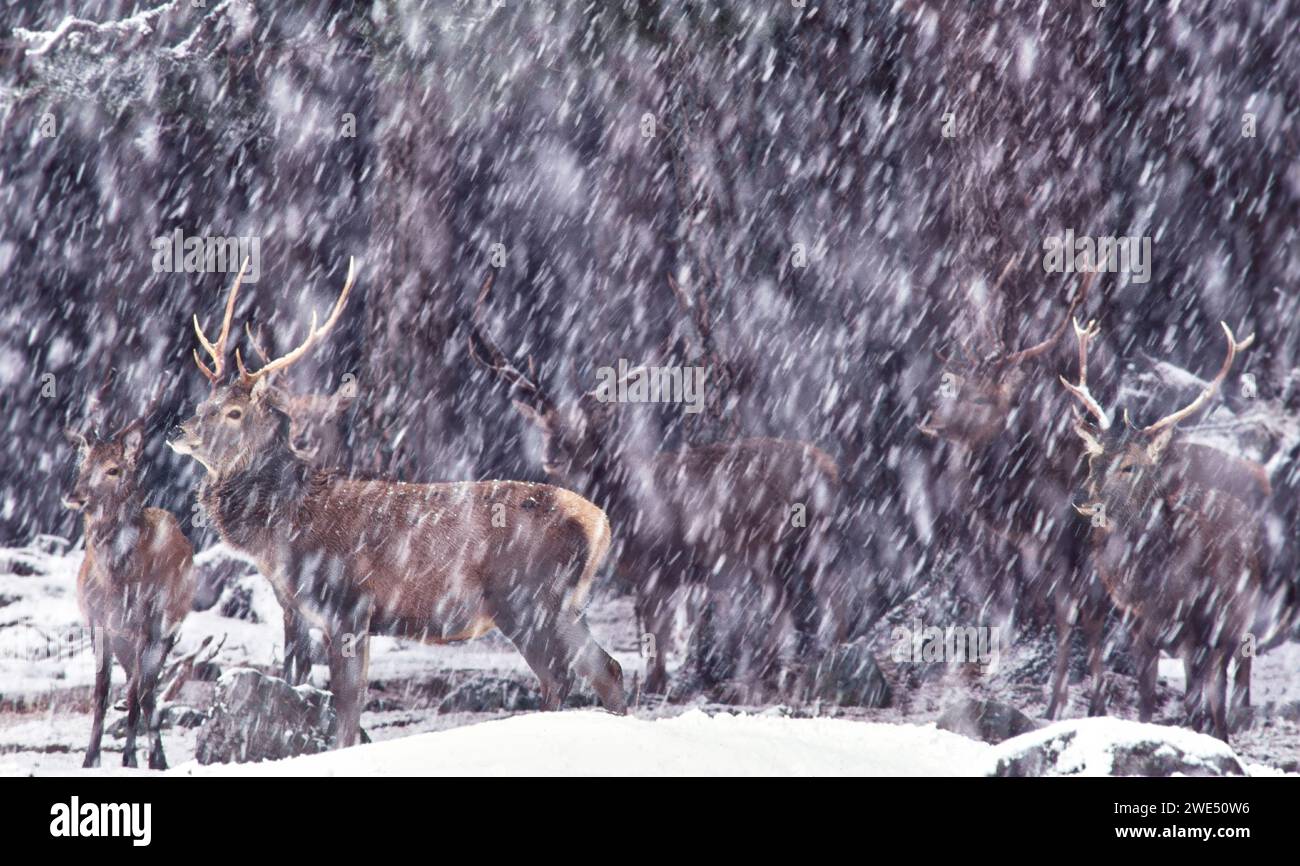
316	428
135	586
317	435
431	562
1014	470
715	516
1177	541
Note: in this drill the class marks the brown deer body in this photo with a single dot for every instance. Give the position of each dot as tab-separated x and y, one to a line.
135	586
1016	475
434	562
745	519
1178	543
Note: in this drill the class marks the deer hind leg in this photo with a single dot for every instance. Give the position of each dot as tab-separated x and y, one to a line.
150	668
652	614
103	679
349	653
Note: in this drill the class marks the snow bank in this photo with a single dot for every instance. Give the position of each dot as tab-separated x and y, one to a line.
594	743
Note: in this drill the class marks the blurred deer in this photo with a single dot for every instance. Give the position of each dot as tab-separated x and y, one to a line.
1016	473
135	585
746	518
1177	541
431	562
316	429
316	434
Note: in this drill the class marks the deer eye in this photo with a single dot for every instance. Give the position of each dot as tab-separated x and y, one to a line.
112	472
235	414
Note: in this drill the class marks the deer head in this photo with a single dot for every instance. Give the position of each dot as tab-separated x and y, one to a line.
248	416
316	428
977	396
106	472
1128	466
573	436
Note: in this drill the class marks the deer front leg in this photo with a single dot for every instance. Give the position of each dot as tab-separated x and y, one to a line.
103	679
297	647
1093	632
1064	629
1148	658
132	705
349	667
1241	682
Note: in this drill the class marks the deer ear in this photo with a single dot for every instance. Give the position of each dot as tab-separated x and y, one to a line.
76	439
532	414
1156	447
132	440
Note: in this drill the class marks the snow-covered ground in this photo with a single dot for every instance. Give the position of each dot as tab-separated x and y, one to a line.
46	674
593	742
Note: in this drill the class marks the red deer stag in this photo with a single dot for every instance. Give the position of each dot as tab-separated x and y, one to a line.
434	562
1177	541
135	586
717	516
1015	473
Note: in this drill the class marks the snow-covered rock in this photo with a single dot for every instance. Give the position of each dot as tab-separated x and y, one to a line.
1114	747
255	717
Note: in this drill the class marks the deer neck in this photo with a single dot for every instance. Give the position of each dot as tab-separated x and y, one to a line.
113	530
249	503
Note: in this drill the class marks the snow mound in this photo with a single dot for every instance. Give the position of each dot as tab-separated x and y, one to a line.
594	743
1114	747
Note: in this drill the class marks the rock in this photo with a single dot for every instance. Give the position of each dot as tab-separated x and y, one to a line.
255	717
215	569
1114	747
990	721
848	676
486	693
1289	711
52	545
181	716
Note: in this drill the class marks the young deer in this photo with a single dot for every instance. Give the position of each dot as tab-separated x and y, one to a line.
716	516
135	586
434	562
317	434
1177	541
1015	471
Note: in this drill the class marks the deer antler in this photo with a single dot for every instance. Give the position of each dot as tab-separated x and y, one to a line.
1081	390
1204	397
313	335
496	360
1034	351
218	352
